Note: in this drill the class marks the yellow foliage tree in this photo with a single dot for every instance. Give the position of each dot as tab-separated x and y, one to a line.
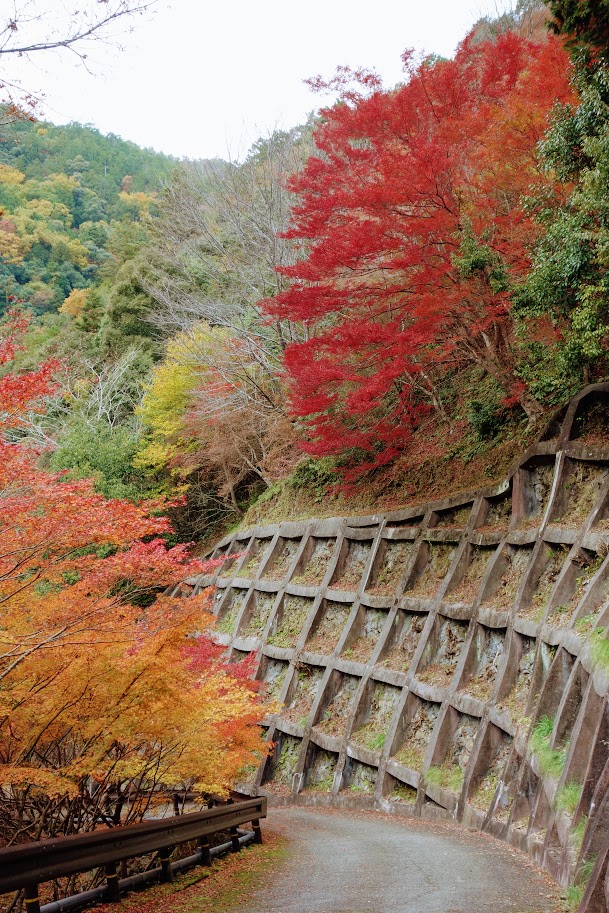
212	415
74	304
10	175
168	395
138	202
12	247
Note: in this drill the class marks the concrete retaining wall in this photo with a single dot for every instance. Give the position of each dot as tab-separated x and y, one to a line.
441	661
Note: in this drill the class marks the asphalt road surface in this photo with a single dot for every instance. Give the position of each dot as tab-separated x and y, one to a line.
363	862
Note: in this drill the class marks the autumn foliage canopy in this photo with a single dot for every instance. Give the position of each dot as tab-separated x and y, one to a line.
413	222
104	688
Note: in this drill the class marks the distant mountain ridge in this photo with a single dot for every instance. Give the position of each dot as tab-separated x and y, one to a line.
40	148
64	190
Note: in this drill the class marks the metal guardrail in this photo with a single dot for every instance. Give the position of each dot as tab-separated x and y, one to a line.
26	866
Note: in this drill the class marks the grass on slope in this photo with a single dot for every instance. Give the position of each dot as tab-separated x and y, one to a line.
427	474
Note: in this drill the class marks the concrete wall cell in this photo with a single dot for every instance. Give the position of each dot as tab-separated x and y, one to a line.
399	793
560	666
314	561
488	767
333	712
302	692
578	492
532	490
442	651
254	555
272	674
289	620
359	778
374	715
456	518
484	661
403	639
414	732
522	806
466	581
391	560
432	567
257	613
574	586
454	744
495	513
279	561
351	565
508	570
365	633
541	580
320	768
570	704
328	626
515	685
590	425
281	765
229	610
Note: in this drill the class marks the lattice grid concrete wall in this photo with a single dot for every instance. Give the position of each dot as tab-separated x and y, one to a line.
414	654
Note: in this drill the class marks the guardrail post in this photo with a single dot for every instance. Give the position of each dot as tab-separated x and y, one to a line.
205	851
113	891
257	830
166	870
234	836
32	900
234	839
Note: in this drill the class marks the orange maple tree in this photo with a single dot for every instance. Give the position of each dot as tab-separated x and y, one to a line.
108	686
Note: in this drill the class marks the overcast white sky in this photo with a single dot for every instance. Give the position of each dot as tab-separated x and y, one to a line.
200	79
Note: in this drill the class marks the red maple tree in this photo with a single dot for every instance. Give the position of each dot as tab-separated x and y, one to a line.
413	224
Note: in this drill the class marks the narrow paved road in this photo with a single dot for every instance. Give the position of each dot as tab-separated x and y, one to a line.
353	862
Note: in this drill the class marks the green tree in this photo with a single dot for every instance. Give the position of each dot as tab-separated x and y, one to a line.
569	279
124	323
97	450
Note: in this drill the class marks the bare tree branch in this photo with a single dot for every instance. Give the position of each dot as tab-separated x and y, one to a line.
28	27
80	26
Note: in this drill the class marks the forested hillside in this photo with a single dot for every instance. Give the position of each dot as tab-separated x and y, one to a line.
63	193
